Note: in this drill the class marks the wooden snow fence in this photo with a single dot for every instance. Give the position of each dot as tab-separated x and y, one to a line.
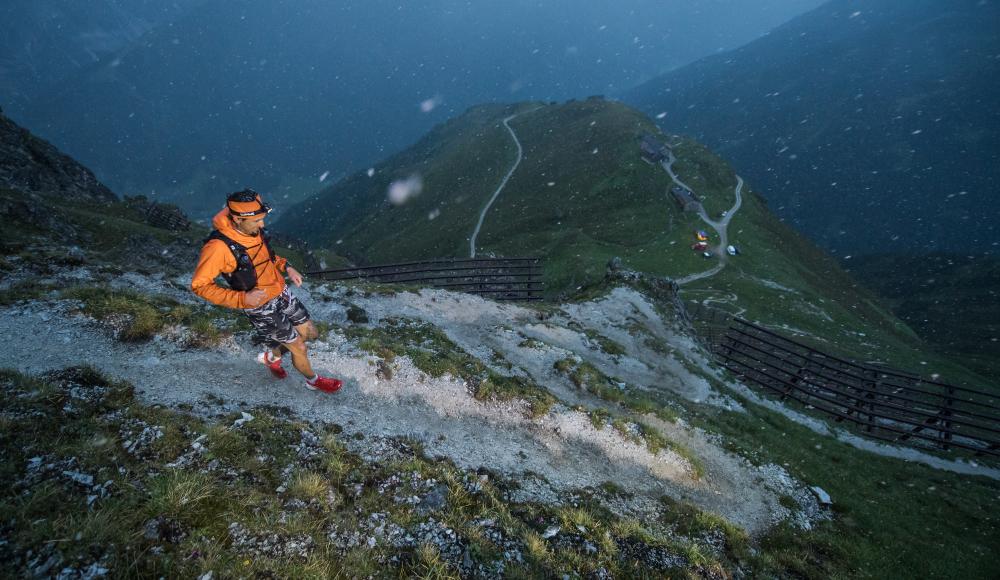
495	278
883	403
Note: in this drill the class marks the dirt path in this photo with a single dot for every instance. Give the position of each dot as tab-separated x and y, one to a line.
563	446
503	184
721	227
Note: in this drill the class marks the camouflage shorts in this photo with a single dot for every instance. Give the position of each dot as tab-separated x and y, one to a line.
275	320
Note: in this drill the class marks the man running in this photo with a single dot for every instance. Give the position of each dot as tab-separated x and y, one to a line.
239	249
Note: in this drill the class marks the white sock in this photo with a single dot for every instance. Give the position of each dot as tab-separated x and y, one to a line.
312	380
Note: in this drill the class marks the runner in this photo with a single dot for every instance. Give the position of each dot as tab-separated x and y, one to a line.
239	250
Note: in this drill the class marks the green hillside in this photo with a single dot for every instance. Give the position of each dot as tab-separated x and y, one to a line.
583	195
580	161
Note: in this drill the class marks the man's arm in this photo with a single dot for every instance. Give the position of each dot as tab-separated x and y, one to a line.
293	274
215	259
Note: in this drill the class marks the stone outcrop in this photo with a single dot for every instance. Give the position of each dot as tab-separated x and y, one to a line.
32	165
159	215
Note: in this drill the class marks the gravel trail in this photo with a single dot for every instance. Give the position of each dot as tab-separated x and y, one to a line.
562	446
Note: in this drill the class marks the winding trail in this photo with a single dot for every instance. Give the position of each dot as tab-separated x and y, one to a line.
721	226
520	155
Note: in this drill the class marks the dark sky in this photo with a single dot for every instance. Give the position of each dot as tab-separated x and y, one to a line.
180	97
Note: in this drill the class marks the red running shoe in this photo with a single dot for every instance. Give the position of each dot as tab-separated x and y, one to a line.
325	384
272	364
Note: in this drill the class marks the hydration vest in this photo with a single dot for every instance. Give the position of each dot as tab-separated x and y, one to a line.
244	277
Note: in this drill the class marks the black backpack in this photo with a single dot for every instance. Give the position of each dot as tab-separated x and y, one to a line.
244	277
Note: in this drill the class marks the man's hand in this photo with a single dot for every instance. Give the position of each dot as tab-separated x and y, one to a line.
294	276
254	298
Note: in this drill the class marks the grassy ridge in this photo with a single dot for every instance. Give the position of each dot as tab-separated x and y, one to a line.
460	164
581	196
599	205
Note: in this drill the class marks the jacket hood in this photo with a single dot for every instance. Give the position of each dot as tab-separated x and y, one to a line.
225	226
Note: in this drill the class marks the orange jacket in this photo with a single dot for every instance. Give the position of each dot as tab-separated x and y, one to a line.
216	258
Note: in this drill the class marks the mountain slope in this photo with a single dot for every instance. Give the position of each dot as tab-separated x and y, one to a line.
870	125
581	196
951	300
57	213
30	164
275	94
579	157
46	42
591	438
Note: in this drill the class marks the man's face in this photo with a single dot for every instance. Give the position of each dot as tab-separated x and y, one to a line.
250	226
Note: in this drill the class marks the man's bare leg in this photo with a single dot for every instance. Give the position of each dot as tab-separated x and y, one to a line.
300	357
307	330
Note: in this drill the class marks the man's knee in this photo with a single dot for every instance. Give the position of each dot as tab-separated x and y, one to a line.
307	330
297	347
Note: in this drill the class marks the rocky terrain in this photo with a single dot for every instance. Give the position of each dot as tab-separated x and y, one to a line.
583	441
32	165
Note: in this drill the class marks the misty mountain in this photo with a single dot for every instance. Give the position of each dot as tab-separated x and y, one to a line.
870	125
45	42
276	94
952	300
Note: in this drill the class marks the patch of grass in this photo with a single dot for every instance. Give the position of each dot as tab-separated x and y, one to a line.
944	530
192	498
137	317
690	521
205	333
583	374
323	330
613	489
607	345
429	566
599	418
531	343
309	485
435	354
498	359
588	377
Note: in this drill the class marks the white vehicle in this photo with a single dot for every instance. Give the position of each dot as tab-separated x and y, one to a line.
731	250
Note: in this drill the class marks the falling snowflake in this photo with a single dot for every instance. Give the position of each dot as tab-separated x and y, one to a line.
429	105
402	190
